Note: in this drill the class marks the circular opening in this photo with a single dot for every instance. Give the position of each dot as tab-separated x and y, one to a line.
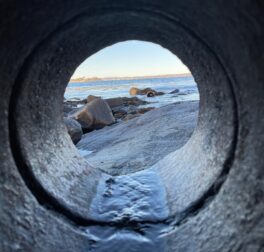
52	168
129	80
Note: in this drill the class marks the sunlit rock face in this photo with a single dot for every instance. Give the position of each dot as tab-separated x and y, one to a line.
141	142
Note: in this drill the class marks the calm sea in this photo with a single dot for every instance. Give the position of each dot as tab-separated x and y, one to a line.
118	88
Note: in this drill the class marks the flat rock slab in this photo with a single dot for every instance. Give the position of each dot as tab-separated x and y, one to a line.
139	143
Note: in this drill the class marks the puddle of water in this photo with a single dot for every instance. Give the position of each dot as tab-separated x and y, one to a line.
84	152
136	197
126	240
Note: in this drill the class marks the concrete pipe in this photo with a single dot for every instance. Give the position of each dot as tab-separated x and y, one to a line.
206	196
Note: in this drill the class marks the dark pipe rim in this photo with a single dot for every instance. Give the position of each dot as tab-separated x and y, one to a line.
47	200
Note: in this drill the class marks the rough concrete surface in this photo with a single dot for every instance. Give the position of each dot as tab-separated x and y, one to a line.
211	199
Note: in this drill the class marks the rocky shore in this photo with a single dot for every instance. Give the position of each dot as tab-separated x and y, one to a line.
93	113
120	135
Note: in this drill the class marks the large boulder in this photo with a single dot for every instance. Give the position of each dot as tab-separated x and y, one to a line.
136	91
119	112
124	112
94	115
151	94
124	101
175	91
74	129
115	102
133	101
92	97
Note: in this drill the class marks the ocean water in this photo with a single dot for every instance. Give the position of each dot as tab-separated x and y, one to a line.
120	88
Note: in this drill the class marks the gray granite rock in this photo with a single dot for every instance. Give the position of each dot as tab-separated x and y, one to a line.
142	141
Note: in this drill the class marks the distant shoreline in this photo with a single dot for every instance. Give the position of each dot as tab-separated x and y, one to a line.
86	79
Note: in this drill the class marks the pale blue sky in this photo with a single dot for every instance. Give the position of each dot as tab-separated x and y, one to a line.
131	58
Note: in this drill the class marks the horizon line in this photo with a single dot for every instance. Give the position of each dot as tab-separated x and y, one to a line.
85	78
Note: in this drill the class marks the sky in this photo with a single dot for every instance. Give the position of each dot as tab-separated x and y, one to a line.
131	58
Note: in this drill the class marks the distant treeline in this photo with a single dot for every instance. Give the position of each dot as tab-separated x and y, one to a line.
88	79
